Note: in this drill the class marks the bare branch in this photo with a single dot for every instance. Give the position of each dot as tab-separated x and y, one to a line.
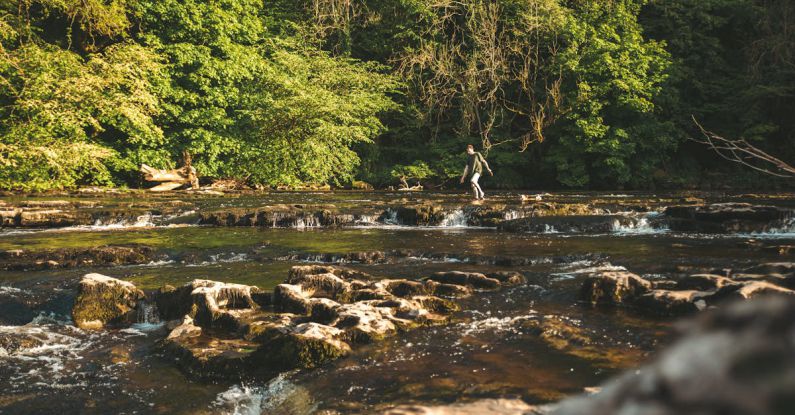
742	152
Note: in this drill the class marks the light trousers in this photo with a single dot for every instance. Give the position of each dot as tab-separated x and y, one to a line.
476	187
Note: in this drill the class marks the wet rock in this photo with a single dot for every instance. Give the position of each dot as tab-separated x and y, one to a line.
748	290
689	293
568	224
206	356
733	360
507	277
470	279
12	342
19	259
703	282
318	315
302	270
725	217
290	298
485	406
667	302
280	216
305	346
103	300
614	287
214	302
420	215
447	290
364	322
406	288
561	209
209	303
567	335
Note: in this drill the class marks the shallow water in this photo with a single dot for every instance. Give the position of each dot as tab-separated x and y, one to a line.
484	352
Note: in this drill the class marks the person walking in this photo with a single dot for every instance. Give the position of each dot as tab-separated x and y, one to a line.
474	169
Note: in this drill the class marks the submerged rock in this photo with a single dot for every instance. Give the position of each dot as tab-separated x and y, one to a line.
76	257
725	217
103	300
568	224
689	293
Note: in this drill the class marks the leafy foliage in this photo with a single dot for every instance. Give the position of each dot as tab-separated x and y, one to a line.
572	93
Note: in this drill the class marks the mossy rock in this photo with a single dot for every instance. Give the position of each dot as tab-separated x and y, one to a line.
103	300
285	349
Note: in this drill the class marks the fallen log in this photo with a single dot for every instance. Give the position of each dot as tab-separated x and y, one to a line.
166	186
172	179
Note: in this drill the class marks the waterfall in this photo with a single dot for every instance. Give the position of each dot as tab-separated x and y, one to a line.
390	217
147	313
455	219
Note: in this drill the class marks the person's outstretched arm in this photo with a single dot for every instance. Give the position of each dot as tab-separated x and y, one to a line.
466	171
486	165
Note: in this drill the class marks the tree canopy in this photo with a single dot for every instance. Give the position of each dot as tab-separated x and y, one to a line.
557	93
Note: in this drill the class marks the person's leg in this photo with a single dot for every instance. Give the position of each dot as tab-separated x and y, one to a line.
476	187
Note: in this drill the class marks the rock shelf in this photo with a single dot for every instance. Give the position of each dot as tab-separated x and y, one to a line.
320	313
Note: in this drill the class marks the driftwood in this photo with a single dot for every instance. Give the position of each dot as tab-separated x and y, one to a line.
404	186
172	179
742	152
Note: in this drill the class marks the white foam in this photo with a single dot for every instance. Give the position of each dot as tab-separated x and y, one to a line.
279	396
639	225
493	324
572	270
12	291
455	219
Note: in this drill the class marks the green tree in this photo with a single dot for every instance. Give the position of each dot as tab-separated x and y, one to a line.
611	135
63	113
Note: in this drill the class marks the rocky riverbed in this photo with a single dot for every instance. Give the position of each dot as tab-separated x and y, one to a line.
363	302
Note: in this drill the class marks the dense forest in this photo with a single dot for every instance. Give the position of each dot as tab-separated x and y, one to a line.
556	93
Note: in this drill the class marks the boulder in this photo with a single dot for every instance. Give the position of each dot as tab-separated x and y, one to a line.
103	300
731	360
447	290
205	301
306	345
291	298
613	287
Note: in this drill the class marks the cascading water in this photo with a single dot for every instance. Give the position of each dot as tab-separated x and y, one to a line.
390	217
455	219
277	396
785	228
147	317
639	225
